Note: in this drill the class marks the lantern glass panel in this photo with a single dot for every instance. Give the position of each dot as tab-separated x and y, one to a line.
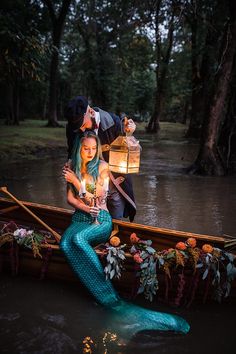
124	156
133	162
118	161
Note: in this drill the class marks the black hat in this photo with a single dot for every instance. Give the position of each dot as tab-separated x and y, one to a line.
75	110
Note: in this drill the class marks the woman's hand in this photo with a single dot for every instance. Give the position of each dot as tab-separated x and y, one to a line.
94	211
69	175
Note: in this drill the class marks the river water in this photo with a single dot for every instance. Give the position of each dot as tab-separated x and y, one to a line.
56	317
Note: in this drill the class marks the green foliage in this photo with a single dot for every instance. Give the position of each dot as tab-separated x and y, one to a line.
148	276
115	259
112	53
23	50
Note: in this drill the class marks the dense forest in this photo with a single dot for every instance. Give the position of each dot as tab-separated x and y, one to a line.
155	60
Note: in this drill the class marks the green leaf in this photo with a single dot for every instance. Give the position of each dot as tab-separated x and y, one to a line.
143	265
228	288
229	267
112	273
148	242
150	250
141	290
205	274
199	265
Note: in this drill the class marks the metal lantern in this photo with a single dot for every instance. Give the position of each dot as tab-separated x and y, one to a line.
124	155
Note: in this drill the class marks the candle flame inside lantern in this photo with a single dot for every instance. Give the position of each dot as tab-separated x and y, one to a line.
124	155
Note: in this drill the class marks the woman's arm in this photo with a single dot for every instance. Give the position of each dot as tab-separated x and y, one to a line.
77	203
71	177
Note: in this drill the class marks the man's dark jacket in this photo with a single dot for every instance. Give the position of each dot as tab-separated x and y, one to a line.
109	129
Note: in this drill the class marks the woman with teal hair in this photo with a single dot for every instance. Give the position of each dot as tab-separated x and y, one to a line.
86	184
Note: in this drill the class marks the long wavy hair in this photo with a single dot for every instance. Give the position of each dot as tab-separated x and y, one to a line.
92	166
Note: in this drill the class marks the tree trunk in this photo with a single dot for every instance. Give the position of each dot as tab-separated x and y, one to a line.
196	112
202	83
52	111
13	102
58	25
16	103
185	112
227	140
210	160
161	74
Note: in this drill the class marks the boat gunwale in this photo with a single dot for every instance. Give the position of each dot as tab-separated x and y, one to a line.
125	225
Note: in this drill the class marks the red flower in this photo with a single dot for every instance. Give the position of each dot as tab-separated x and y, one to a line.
115	241
207	248
137	258
191	242
181	246
134	238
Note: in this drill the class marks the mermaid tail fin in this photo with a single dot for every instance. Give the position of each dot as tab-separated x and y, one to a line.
128	319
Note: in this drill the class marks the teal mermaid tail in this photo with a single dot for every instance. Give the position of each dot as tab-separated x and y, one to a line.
77	243
129	319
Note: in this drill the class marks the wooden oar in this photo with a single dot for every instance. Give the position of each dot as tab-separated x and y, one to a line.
54	233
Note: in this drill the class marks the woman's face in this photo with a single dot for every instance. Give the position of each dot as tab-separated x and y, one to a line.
88	149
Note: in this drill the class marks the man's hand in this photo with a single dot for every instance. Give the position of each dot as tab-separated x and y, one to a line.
69	175
129	126
68	164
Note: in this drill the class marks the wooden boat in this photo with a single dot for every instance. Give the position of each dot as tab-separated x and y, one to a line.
59	219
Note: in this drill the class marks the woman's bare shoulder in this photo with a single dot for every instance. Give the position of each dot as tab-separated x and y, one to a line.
103	169
103	165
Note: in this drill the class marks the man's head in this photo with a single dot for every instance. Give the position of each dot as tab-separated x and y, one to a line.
80	114
76	110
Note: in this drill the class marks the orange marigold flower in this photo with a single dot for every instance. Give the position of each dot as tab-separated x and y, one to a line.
207	248
115	241
191	242
134	238
137	258
181	246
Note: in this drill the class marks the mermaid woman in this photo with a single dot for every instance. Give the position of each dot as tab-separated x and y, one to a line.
79	238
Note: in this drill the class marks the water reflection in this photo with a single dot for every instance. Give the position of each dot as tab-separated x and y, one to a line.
48	317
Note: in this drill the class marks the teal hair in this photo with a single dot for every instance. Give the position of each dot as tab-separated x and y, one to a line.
92	166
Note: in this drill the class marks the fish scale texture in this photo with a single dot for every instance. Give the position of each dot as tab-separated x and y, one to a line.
77	243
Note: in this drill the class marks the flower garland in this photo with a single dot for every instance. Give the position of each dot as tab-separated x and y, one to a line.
213	265
10	232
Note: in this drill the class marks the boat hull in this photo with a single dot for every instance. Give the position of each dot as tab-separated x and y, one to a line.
53	264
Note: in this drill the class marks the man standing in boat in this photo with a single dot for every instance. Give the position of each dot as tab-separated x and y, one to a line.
108	126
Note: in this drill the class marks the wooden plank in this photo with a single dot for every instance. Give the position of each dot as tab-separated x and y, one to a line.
6	210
